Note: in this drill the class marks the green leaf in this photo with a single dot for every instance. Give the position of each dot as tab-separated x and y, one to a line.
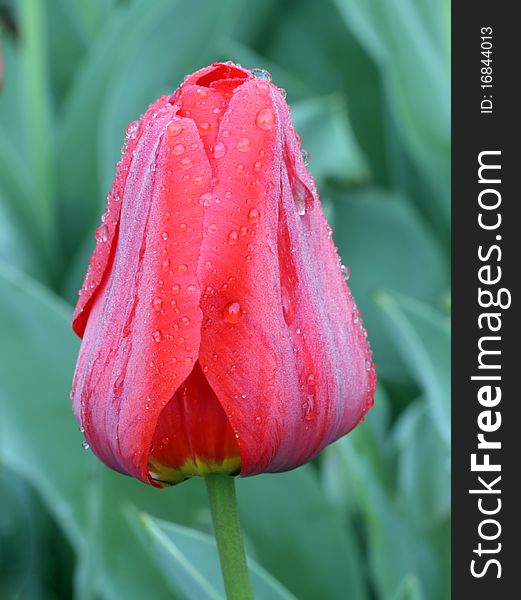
326	133
422	337
35	99
424	492
311	42
408	40
387	247
190	562
299	537
395	548
409	589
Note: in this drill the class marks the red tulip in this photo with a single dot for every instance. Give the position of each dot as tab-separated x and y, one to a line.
219	334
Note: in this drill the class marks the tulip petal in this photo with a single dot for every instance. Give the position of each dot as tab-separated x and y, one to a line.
289	368
143	333
106	233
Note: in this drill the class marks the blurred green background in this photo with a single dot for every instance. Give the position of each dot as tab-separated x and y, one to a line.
368	81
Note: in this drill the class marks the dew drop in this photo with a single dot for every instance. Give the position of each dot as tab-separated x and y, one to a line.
302	196
164	235
182	268
265	119
253	215
191	289
283	92
257	166
178	149
173	129
185	321
102	234
132	129
261	74
85	445
205	199
309	408
218	150
346	271
185	163
233	237
156	335
232	312
240	168
288	307
212	228
310	379
243	145
204	128
157	304
305	156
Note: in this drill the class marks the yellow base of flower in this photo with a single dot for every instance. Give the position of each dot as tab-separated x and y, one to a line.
166	476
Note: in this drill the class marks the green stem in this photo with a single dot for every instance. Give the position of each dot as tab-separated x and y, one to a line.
223	504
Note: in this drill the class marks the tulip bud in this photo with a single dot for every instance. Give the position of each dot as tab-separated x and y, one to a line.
219	334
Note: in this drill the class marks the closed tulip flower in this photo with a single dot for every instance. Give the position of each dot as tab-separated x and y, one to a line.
219	333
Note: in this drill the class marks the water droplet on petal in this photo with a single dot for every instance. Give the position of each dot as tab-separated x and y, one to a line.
218	150
174	129
288	308
232	312
182	268
205	199
233	236
261	74
185	321
204	128
265	119
212	228
305	156
85	445
185	163
164	235
102	234
132	129
178	149
157	304
253	215
301	195
243	145
156	335
310	379
283	92
346	271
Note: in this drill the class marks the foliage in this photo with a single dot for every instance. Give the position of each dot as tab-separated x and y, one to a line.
369	86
